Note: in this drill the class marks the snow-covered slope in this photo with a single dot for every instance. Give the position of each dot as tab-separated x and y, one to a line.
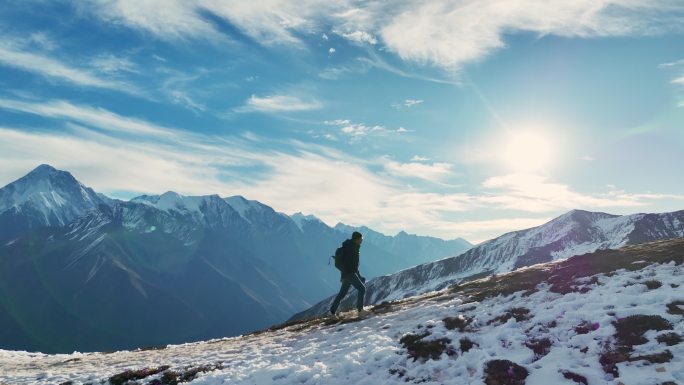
574	233
44	197
614	317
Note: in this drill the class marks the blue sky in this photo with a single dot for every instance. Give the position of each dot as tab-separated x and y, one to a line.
447	118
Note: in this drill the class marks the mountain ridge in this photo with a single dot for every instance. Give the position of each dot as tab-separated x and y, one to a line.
230	253
573	233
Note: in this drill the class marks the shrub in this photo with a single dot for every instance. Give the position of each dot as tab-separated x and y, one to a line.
504	372
419	348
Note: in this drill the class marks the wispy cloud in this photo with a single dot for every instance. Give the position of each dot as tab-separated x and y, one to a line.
474	231
357	131
183	99
356	66
93	117
452	32
434	172
408	103
533	193
111	64
15	54
278	103
166	19
359	37
445	33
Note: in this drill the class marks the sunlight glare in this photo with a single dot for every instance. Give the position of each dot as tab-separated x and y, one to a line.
526	151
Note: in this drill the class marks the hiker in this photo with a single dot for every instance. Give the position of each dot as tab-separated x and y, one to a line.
350	275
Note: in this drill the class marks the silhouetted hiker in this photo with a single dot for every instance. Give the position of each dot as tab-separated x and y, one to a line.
350	275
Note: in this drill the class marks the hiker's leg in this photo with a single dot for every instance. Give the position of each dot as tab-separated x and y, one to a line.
361	290
343	291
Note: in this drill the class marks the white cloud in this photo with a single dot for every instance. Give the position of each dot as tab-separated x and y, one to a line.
359	37
482	230
446	33
449	33
408	103
331	50
166	19
108	63
338	122
417	158
534	193
42	40
93	117
435	172
181	98
359	130
357	66
279	103
108	166
679	80
588	158
14	54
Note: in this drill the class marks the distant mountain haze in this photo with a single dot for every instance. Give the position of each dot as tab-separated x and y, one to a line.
81	271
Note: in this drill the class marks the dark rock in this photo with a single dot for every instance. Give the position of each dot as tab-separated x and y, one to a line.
586	327
540	347
669	338
419	348
519	313
459	322
466	344
676	307
132	375
630	330
504	372
652	285
659	358
575	377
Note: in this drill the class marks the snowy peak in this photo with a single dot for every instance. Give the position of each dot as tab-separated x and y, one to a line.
172	201
46	197
249	209
299	218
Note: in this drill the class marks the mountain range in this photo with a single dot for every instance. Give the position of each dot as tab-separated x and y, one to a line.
574	233
82	271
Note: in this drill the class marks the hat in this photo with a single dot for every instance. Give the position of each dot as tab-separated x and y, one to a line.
356	235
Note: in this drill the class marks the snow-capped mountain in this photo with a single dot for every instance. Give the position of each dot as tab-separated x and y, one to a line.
613	317
44	197
574	233
193	267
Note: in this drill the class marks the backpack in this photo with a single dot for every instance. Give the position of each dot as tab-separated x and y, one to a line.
339	255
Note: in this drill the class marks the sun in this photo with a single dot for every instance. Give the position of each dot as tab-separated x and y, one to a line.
526	151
